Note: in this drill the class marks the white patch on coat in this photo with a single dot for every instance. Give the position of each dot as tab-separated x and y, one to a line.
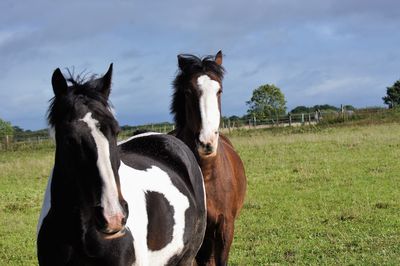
109	197
46	204
209	111
134	185
145	134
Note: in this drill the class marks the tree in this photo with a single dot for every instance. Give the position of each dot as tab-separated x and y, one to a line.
17	129
349	107
300	109
5	128
325	107
392	98
267	100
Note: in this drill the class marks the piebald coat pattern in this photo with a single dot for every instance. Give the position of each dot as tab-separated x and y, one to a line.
141	202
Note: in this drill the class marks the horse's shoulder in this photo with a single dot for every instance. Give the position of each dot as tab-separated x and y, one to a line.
229	153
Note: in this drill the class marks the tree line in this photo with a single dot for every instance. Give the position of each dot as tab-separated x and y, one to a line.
268	101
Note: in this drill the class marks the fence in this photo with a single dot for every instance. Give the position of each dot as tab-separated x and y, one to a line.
286	120
374	114
24	142
31	141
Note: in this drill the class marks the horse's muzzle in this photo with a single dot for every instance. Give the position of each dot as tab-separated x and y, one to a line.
110	225
206	149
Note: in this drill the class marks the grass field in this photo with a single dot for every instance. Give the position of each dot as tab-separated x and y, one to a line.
327	195
331	196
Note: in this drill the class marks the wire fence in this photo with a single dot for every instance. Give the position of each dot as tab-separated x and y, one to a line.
285	120
27	141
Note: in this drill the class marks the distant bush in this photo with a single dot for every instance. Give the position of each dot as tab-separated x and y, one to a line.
6	128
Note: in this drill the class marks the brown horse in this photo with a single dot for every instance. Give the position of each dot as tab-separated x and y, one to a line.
196	107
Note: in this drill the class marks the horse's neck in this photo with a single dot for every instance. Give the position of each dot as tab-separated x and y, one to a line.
64	200
187	137
207	166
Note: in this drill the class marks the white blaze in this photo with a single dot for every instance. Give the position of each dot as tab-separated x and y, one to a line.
109	197
209	111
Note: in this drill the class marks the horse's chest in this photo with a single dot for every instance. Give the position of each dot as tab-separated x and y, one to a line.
156	214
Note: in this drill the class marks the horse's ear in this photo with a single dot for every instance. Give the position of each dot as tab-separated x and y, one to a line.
59	83
104	83
181	61
218	58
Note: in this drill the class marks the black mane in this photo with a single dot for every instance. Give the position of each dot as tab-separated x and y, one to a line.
82	91
192	65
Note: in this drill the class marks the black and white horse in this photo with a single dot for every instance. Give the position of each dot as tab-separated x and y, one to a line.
85	219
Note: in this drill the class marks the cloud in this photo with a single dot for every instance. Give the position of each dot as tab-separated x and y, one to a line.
313	50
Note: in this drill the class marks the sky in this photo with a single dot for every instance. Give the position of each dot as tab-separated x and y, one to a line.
317	52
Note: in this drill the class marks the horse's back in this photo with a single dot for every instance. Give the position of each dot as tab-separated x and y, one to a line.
166	152
160	171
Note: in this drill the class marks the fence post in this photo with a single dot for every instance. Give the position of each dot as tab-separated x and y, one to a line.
309	119
342	111
290	119
302	119
6	142
229	125
255	121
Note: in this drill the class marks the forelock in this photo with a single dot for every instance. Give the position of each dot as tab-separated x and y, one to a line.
81	92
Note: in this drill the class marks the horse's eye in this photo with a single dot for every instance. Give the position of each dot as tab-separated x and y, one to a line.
219	92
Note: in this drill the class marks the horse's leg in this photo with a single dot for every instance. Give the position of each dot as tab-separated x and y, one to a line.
205	256
224	238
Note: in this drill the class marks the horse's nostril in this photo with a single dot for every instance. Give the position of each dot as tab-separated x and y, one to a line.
208	147
216	132
125	207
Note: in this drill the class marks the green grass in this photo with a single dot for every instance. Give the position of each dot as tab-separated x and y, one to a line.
327	196
316	195
23	178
